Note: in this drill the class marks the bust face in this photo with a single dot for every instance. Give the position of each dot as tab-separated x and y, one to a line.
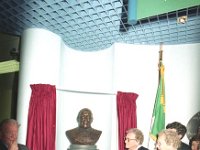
85	119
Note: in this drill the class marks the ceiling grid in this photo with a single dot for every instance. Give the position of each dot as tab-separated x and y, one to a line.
91	25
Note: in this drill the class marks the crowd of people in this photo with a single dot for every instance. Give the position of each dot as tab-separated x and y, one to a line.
167	139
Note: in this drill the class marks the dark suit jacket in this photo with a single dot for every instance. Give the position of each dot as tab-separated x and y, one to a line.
184	146
3	146
143	148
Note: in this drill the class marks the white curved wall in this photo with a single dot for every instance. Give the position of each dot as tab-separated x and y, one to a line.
136	69
130	68
40	53
84	71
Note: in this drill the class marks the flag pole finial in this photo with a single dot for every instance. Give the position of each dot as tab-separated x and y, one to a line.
160	54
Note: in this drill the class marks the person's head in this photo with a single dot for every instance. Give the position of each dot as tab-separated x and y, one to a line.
195	142
178	127
134	137
85	118
9	131
168	140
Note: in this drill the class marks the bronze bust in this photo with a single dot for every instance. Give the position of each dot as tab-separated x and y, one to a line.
84	134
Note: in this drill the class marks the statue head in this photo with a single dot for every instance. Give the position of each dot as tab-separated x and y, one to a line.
84	134
85	118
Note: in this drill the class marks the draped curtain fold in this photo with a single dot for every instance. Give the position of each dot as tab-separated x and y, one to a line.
126	112
41	128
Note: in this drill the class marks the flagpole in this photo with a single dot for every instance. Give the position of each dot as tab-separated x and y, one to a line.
159	65
160	58
161	53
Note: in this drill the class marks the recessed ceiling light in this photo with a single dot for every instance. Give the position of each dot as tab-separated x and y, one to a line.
182	19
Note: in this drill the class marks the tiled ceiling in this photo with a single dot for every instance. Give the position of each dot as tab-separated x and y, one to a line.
90	25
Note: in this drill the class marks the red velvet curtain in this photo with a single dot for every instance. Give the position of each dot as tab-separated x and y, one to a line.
126	112
41	128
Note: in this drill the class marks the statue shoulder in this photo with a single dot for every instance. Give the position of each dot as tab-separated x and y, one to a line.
96	135
83	136
69	132
97	132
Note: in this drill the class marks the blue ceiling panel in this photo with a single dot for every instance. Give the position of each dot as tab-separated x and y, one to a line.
90	25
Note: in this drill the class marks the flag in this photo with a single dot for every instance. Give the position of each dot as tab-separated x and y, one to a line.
158	117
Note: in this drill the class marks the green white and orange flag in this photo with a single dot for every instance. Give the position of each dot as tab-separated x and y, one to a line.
158	117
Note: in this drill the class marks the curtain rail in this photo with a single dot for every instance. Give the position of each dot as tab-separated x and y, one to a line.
85	92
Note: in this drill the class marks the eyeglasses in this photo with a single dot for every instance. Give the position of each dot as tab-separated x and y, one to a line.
127	139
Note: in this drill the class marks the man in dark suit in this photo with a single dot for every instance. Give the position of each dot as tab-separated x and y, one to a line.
134	139
8	135
181	130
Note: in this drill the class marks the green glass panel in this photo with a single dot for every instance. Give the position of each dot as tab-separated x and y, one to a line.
147	8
